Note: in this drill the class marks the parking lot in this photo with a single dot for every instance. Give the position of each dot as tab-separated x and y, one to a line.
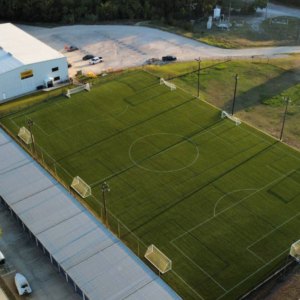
130	46
24	257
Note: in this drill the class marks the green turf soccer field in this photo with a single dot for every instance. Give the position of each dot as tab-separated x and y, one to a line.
221	201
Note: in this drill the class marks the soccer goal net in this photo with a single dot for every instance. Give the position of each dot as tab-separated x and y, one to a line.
171	85
231	117
78	89
158	259
295	251
25	135
81	187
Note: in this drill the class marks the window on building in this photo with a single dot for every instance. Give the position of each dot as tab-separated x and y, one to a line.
54	69
56	78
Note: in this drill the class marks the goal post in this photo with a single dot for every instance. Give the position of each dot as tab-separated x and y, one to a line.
171	85
83	189
25	135
231	117
158	259
295	251
78	89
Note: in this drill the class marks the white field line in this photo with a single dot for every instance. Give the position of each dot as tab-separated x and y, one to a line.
257	256
187	285
257	191
112	118
179	144
274	230
200	268
253	273
228	195
117	173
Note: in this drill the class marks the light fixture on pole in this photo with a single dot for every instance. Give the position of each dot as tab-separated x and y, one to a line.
233	102
199	68
105	188
287	100
30	123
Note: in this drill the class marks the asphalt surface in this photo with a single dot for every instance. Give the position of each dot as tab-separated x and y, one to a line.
130	46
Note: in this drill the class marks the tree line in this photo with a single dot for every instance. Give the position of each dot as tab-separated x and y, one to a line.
92	11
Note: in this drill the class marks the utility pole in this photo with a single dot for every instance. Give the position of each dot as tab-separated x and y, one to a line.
105	188
30	123
229	12
267	9
199	68
287	100
234	96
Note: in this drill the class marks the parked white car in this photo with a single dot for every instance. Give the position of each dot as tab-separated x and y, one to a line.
96	60
22	284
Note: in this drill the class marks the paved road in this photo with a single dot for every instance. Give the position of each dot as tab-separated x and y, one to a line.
129	46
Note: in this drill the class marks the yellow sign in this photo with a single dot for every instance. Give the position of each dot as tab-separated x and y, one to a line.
26	74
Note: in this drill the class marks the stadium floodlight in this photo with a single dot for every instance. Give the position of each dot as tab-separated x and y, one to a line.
158	259
287	100
233	102
105	189
199	68
171	85
30	123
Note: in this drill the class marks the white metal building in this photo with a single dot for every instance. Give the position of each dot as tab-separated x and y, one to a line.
26	62
94	262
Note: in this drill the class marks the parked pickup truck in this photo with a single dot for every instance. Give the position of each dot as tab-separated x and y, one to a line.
96	60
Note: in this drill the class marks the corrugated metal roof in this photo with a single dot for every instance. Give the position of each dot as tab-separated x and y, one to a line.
20	48
99	263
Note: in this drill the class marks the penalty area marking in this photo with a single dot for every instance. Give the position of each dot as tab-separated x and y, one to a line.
161	171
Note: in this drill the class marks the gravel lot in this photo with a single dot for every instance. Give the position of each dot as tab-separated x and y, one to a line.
129	46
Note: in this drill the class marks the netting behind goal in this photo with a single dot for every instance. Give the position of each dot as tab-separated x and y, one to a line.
158	259
78	89
25	135
231	117
81	187
171	85
295	250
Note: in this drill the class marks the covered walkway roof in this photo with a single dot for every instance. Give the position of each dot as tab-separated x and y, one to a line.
90	256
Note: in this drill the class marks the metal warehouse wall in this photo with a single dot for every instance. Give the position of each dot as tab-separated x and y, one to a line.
11	84
94	262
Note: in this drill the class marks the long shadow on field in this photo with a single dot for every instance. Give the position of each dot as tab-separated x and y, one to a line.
267	90
191	193
121	131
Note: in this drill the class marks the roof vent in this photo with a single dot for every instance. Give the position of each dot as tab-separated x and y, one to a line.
9	54
1	48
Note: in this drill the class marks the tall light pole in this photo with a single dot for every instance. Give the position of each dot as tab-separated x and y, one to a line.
30	123
287	100
199	68
105	188
267	9
233	102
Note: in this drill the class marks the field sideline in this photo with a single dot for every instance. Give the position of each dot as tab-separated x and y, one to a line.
221	201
